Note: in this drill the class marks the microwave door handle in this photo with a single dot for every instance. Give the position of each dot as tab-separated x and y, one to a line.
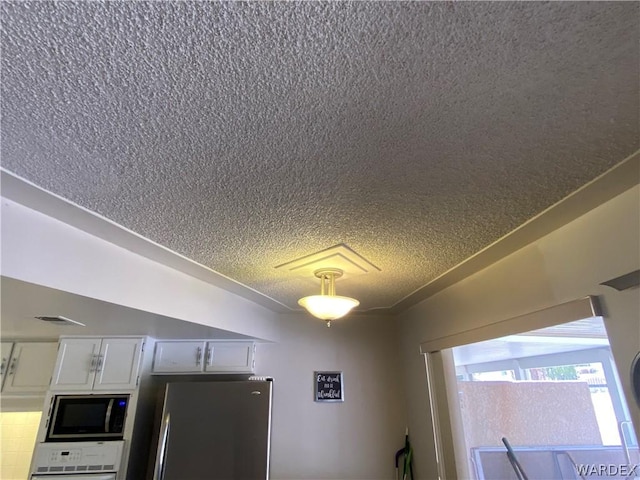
107	417
158	473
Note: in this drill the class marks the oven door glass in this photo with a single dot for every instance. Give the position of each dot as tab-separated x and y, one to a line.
75	476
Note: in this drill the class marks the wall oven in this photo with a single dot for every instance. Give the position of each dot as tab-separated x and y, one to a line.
76	418
77	461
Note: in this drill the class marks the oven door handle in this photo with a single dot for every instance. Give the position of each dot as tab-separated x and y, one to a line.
107	417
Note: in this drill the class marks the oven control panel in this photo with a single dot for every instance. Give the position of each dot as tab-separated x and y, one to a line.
59	457
77	457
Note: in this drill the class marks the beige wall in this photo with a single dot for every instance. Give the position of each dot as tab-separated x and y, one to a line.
527	413
355	439
567	264
17	439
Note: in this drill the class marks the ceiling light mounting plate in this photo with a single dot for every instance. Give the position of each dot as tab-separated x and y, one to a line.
326	272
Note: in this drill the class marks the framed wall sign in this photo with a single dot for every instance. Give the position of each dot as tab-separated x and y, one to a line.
329	387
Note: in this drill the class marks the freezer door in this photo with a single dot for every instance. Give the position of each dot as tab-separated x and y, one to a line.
215	431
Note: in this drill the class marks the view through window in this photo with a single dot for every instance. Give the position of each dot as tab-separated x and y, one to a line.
554	395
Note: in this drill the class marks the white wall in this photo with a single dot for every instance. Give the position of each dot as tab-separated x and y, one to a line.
42	250
565	265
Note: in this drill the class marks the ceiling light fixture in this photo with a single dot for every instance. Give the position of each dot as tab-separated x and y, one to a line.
328	306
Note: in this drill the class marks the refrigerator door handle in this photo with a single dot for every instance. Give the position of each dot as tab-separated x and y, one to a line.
158	473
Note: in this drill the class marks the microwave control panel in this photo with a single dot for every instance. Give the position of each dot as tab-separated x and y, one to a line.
77	457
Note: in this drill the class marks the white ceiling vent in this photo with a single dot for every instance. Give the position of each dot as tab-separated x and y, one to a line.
60	320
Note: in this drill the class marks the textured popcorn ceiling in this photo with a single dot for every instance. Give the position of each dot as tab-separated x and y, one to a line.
246	135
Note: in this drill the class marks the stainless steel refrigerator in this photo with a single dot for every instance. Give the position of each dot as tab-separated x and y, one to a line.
214	431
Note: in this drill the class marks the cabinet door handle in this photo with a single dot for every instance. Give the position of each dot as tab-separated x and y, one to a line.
208	357
3	365
94	359
198	356
12	367
100	363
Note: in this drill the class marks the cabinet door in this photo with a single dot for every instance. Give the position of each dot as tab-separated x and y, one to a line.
5	352
30	367
118	364
178	357
76	365
230	357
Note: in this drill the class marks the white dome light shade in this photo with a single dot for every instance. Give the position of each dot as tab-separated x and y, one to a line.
328	307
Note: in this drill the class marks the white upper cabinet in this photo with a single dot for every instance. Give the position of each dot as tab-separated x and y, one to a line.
109	363
76	364
230	357
179	357
29	368
118	364
201	356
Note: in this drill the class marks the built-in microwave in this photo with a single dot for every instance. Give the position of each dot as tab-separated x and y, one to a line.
76	418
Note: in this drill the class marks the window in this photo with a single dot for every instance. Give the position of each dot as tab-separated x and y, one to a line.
553	393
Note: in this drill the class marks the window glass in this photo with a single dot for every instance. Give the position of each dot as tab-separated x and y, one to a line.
554	396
